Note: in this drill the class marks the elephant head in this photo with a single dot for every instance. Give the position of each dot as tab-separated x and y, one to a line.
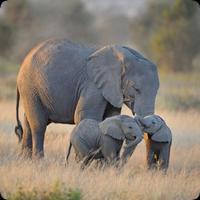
122	127
124	76
157	128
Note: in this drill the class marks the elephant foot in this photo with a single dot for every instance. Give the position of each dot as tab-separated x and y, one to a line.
162	166
152	166
38	155
157	167
26	153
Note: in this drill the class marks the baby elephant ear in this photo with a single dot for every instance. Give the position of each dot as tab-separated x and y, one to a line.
163	135
110	128
104	68
115	132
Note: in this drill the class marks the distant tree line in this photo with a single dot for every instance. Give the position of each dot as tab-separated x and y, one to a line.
25	22
169	32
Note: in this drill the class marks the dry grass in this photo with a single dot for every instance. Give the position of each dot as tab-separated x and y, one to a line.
133	182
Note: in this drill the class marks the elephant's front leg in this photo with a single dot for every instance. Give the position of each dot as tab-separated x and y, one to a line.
150	154
164	156
91	105
111	111
111	149
151	159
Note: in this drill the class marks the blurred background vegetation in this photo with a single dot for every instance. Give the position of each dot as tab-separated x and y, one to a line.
167	32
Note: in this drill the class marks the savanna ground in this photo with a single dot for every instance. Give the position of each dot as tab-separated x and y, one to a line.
178	103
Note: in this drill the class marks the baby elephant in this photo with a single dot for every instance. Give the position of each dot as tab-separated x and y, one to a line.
159	141
93	140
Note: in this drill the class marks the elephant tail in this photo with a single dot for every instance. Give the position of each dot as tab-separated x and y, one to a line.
18	128
68	153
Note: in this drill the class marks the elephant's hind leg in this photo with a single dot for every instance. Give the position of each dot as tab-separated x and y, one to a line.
82	150
91	156
38	121
26	139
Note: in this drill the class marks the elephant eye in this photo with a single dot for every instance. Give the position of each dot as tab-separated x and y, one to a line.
153	122
130	127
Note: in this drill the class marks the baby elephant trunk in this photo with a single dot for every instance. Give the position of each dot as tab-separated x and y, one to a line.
134	142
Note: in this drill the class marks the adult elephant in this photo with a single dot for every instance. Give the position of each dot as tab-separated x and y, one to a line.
64	82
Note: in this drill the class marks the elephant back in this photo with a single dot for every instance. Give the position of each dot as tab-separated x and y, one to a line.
88	132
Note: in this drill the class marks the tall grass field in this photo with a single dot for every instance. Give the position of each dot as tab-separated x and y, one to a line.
178	103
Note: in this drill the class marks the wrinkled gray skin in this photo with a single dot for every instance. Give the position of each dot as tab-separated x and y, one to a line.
158	143
104	140
63	82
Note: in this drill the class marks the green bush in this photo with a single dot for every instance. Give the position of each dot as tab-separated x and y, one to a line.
57	192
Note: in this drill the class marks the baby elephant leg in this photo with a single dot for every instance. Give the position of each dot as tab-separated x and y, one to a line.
84	153
81	150
111	149
164	156
90	157
151	154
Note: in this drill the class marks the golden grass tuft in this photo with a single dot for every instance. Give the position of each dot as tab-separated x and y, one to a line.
133	182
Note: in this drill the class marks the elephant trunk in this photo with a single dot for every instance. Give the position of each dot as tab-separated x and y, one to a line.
134	142
144	107
142	122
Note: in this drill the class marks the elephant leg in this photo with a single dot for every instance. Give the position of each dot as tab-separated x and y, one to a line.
151	160
81	149
164	156
111	149
111	111
92	105
26	139
38	122
89	114
87	161
93	154
38	133
150	154
83	153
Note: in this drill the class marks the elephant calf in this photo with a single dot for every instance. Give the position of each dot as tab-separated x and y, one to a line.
93	140
158	142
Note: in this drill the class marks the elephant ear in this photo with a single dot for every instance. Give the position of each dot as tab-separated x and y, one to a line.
115	132
111	128
162	135
104	69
